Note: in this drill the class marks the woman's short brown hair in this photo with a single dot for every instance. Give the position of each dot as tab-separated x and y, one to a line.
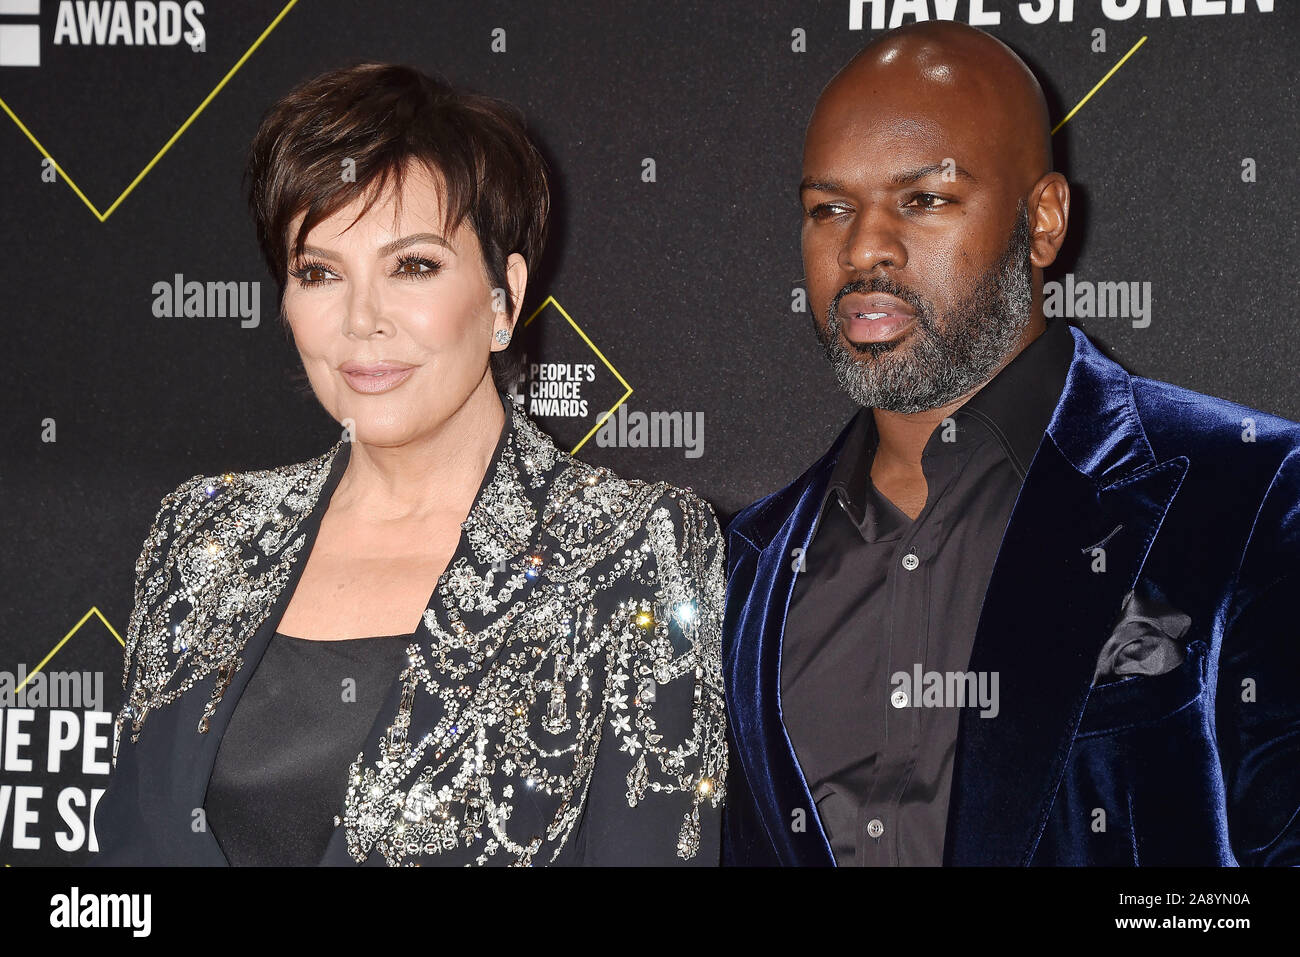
371	120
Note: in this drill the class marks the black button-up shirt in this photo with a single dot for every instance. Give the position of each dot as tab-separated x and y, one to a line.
879	594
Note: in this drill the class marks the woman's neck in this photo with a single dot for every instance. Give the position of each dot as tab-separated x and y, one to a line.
437	472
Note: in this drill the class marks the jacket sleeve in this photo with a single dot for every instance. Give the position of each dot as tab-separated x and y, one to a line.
1257	701
745	841
152	574
119	820
656	791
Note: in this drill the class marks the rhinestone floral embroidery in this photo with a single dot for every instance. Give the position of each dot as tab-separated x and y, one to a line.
579	622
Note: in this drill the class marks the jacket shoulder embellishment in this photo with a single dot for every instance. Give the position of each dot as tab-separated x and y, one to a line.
216	557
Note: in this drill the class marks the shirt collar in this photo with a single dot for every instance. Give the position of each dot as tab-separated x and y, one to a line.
1015	406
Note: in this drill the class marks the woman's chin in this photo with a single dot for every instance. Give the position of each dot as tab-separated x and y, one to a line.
380	434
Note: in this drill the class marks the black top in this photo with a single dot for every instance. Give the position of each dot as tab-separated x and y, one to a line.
880	594
281	770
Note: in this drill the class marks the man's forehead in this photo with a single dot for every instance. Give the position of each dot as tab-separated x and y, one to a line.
903	104
903	130
882	145
935	92
872	120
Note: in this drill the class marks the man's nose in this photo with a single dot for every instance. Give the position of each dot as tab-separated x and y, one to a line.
872	241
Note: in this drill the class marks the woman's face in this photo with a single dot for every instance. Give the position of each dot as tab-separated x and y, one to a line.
394	320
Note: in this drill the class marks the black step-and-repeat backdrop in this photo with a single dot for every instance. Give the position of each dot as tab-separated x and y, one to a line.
670	293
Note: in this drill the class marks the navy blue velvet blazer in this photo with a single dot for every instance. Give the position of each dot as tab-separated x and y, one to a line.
1198	502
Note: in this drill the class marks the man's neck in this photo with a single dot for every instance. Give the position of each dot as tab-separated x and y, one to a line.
902	437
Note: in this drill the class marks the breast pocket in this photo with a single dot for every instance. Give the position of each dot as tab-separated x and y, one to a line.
1141	699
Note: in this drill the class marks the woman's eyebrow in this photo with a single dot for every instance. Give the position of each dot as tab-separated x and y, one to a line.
388	248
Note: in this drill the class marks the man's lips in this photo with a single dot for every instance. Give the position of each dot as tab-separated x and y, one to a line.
873	317
874	305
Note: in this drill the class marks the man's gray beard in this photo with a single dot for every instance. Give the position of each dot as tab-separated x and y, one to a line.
938	363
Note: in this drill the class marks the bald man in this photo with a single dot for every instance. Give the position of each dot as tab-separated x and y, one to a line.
1027	609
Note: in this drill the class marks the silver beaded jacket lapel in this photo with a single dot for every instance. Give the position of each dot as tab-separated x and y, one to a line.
571	590
491	749
216	558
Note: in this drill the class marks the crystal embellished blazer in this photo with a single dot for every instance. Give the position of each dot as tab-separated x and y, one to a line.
560	702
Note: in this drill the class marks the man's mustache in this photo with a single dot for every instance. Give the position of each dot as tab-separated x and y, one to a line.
880	284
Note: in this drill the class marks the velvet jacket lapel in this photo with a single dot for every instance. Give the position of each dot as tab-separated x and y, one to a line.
752	659
1051	600
1091	505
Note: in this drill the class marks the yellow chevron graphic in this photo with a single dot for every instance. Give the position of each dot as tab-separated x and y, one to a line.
63	175
550	301
1100	84
93	613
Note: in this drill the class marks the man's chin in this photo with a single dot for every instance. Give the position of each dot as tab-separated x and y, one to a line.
896	389
859	351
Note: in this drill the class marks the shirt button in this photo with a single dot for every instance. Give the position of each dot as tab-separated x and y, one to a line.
910	561
898	699
875	828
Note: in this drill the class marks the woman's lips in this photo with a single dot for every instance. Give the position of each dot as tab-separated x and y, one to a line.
371	379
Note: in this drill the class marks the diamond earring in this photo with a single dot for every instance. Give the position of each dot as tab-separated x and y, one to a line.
502	336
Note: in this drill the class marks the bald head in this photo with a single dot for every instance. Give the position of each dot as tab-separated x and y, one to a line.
955	77
930	210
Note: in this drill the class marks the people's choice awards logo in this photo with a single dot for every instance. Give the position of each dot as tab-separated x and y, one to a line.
567	384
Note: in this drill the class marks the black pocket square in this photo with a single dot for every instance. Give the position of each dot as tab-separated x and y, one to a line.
1147	640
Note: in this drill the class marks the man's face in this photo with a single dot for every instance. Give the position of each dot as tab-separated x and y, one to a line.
916	250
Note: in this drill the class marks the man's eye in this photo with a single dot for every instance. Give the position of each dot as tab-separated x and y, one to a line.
824	210
929	201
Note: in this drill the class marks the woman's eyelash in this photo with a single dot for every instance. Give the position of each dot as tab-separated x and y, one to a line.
431	266
303	268
300	272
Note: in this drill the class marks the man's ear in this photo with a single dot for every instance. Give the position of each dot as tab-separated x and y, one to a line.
1049	217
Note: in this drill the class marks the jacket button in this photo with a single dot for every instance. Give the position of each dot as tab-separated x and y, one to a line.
875	828
910	561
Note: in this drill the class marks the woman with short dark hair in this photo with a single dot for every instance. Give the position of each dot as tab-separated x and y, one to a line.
294	694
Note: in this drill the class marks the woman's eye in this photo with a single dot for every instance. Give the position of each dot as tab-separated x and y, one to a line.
305	274
409	267
417	267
